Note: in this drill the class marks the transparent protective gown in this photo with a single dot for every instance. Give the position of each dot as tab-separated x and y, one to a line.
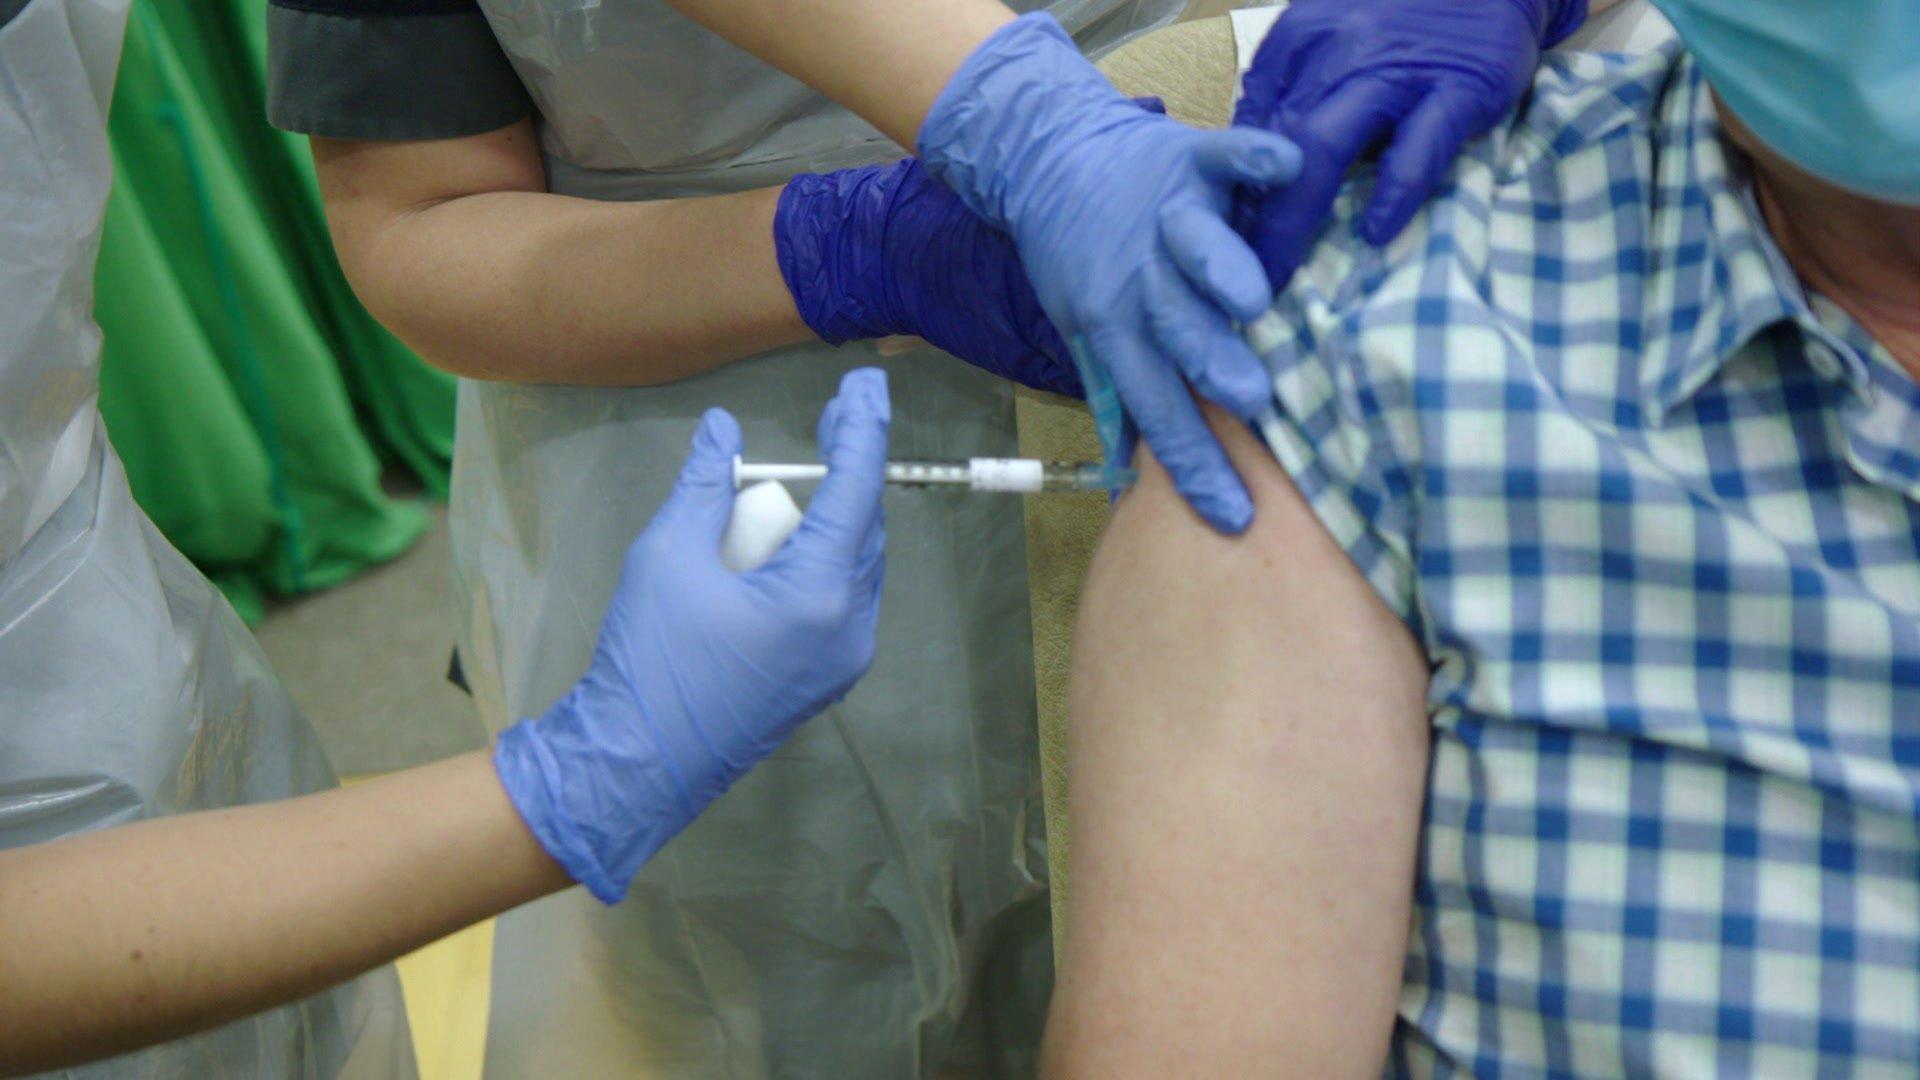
870	901
128	687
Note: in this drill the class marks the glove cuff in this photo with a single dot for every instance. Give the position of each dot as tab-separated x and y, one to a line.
600	830
1010	106
827	237
1563	18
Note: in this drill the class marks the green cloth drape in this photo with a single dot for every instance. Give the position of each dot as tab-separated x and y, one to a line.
253	400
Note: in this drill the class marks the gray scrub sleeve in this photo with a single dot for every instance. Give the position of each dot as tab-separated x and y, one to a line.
387	76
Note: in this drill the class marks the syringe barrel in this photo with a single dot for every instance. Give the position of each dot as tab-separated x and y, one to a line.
929	473
1011	475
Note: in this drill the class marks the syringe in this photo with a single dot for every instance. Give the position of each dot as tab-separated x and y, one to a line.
975	474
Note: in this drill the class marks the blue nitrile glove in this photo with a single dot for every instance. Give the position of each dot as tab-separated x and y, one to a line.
1338	76
700	672
1120	220
887	249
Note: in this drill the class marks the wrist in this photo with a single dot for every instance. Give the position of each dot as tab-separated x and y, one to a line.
600	828
1018	98
512	862
829	231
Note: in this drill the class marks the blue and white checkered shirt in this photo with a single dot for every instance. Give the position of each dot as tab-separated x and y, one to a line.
1650	509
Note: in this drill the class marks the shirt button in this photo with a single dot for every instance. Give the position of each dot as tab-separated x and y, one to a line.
1825	364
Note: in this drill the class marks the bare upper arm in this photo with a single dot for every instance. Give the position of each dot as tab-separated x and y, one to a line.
369	184
1248	754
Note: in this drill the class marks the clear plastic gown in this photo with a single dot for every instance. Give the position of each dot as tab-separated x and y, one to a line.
872	900
128	687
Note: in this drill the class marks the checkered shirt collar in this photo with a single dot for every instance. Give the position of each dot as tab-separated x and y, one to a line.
1751	285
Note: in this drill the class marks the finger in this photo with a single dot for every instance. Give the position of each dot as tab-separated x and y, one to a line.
1217	263
1245	155
1215	358
875	547
1423	151
1351	118
1282	224
1050	367
872	575
1244	215
1251	111
1287	220
1269	80
845	511
1170	422
702	496
1050	370
1055	378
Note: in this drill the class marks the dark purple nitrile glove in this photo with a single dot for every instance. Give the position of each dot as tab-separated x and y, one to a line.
1338	76
887	249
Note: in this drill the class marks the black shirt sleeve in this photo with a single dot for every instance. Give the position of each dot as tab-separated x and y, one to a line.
388	69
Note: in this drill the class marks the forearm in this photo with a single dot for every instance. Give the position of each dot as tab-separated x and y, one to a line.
146	932
884	59
511	282
1247	752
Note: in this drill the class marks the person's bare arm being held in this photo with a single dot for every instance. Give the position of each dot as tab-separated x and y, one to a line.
1248	752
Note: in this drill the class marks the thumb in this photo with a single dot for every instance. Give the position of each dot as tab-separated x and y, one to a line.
702	498
845	509
1245	155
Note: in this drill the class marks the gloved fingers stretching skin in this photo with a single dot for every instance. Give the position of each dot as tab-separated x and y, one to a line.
1210	351
699	672
1102	200
1226	273
1165	414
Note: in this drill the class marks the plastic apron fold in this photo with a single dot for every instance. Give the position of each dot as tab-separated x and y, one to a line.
128	687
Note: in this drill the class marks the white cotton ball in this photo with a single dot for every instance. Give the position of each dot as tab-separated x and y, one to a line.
764	515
